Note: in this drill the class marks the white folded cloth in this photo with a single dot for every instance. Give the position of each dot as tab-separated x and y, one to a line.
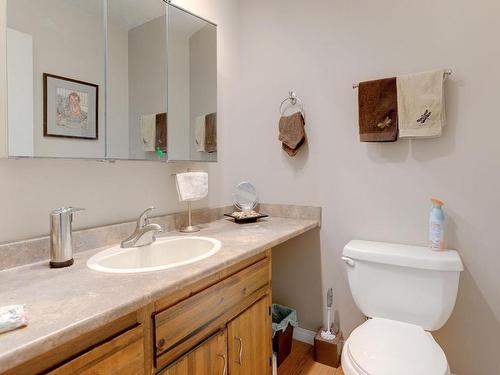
199	133
12	317
148	132
421	108
192	186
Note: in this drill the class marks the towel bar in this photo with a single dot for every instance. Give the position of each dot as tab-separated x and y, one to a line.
446	74
292	97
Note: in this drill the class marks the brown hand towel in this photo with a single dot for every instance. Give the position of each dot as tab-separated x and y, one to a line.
378	110
211	132
293	151
161	132
292	133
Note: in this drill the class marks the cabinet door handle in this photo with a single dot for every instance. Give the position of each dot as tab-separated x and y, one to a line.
223	357
241	349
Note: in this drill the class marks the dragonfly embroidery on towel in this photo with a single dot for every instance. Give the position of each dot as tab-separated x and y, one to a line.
424	117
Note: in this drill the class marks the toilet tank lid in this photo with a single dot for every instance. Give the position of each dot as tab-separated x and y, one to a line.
403	255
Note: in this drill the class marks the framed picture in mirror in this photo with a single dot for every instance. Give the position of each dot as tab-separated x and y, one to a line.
70	108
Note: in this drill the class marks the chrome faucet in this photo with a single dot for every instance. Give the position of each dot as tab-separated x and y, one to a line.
144	233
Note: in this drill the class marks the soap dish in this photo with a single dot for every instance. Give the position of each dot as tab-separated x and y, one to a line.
246	220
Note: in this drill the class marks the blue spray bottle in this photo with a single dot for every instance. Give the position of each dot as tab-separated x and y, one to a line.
436	225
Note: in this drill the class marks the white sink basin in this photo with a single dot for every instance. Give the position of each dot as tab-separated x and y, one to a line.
165	253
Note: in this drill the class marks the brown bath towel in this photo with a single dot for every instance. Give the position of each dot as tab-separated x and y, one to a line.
211	132
378	110
292	133
161	132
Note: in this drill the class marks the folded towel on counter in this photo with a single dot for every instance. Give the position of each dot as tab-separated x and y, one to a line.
211	132
378	110
199	133
161	132
148	132
192	186
12	317
421	104
292	133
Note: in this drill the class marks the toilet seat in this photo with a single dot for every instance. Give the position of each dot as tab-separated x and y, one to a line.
388	347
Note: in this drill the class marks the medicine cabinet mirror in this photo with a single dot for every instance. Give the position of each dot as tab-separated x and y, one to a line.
192	85
110	79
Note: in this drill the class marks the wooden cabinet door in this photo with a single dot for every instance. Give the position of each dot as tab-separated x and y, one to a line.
250	341
182	326
209	358
122	355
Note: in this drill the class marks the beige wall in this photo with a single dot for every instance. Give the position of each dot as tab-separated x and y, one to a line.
29	189
380	191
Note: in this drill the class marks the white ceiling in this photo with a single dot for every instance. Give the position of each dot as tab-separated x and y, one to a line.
133	13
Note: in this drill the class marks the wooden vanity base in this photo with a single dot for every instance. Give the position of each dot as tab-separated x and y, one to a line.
220	324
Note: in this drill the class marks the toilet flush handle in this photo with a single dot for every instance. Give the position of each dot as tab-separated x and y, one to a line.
348	261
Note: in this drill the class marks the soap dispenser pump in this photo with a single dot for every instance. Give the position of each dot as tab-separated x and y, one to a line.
61	236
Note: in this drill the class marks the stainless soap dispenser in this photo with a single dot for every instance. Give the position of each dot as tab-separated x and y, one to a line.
61	246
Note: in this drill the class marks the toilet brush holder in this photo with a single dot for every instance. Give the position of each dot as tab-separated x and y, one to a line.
328	352
190	228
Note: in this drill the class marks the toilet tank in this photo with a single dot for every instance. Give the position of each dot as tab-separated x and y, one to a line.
410	284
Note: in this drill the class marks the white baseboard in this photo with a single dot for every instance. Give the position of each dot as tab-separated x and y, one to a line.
304	335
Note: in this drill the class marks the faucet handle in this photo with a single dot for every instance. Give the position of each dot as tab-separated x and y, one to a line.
143	218
66	210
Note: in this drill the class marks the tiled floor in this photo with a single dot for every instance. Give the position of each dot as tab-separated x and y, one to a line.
301	362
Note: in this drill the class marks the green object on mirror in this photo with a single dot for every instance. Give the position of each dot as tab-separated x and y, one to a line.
160	153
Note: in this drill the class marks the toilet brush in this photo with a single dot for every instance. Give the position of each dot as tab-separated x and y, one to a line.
328	335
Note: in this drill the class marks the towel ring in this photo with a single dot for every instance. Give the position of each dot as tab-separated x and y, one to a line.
294	100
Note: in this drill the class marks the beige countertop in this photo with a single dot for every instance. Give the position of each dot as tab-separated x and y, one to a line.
65	303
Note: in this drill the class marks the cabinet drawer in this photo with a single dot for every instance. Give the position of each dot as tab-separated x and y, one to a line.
124	354
185	324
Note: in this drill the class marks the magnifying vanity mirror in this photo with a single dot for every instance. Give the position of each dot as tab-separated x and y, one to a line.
109	79
245	196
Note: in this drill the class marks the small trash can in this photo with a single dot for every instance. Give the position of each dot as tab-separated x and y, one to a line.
284	319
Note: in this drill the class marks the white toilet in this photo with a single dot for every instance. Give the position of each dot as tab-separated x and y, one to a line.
405	291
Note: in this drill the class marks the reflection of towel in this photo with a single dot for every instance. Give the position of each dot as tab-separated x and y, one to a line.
199	133
148	132
192	186
378	111
421	104
292	133
211	132
161	132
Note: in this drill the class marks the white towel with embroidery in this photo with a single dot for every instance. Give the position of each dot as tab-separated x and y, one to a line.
192	186
421	109
148	132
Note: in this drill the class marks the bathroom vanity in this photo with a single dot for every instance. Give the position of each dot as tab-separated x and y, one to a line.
210	317
220	323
